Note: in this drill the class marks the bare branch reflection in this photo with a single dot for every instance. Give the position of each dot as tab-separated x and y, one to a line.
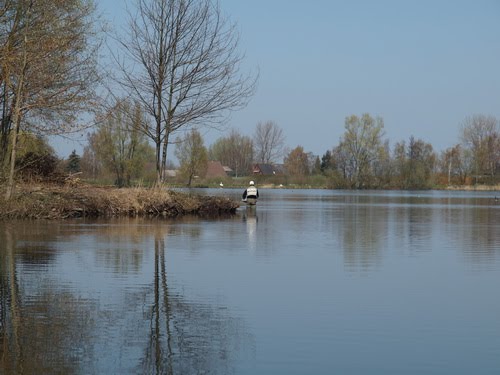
40	332
58	315
187	337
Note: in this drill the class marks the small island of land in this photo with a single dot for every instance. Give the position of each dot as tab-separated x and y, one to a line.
46	201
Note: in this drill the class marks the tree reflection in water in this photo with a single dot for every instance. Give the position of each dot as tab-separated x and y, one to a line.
41	333
47	326
187	337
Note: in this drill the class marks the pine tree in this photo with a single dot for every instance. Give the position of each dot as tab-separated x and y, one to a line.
73	163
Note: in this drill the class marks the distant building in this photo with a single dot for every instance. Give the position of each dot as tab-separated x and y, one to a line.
172	173
228	170
268	169
216	169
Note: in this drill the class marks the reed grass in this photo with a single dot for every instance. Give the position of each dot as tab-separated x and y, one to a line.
61	202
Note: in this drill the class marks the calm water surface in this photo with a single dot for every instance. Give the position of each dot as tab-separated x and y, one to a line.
309	282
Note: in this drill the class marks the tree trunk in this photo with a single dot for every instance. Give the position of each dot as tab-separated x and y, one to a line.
158	163
6	124
12	168
164	157
16	118
449	172
14	136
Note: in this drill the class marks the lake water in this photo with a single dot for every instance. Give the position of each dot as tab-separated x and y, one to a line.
308	282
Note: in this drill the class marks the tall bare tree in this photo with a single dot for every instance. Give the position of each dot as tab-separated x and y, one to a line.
48	68
235	151
362	144
480	135
181	62
119	146
92	164
414	164
452	164
269	141
192	155
297	162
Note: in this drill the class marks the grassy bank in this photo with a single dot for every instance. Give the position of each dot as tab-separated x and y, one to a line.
474	187
61	202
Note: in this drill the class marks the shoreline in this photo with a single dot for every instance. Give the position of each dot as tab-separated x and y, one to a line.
473	188
52	202
67	202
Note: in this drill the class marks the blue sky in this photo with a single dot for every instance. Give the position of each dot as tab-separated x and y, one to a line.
421	65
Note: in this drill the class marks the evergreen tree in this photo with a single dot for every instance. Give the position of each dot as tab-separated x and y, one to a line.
73	162
316	169
326	161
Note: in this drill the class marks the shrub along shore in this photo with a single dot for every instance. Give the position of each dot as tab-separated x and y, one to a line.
64	202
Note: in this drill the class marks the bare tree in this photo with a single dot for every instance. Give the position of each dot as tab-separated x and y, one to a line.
363	145
297	162
235	151
269	141
421	160
48	68
452	164
480	135
119	146
181	62
192	155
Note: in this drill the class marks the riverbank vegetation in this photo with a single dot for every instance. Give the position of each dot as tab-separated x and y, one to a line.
50	201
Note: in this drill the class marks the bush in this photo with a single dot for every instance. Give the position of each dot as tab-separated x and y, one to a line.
37	167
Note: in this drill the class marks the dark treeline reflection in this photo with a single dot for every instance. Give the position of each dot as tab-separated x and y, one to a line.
41	326
95	297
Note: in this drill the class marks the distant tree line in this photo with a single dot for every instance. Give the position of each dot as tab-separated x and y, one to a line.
363	157
117	153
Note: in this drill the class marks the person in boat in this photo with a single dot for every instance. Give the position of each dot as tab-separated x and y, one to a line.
251	194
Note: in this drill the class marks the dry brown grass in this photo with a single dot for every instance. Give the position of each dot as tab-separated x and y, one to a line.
474	187
60	202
